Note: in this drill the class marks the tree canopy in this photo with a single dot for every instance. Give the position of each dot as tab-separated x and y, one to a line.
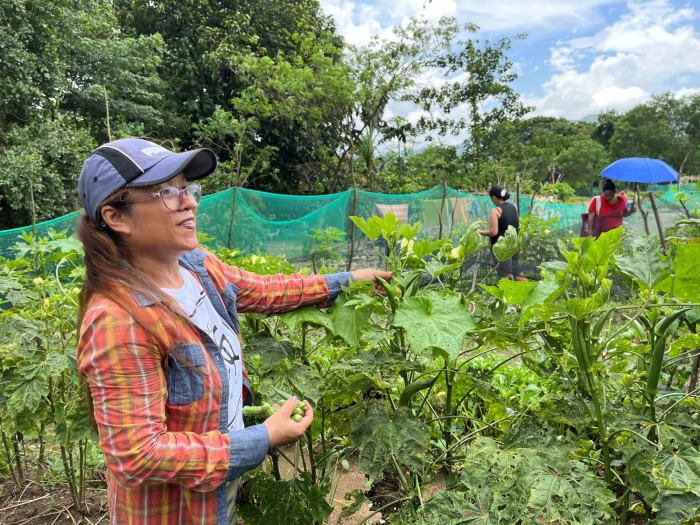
287	105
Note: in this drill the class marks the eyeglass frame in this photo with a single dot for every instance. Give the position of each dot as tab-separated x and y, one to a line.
181	195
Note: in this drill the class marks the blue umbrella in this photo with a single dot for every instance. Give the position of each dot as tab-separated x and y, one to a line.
640	169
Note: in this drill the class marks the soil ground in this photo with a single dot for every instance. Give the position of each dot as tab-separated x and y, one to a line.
50	504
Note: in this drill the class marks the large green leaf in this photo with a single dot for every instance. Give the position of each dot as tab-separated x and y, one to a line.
57	363
527	485
679	470
511	292
382	435
302	380
508	245
645	264
453	508
272	353
349	321
677	509
594	252
435	320
309	315
683	284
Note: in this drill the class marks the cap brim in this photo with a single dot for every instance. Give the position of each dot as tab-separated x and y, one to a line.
195	164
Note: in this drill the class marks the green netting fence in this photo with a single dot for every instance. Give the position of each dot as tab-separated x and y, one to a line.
309	228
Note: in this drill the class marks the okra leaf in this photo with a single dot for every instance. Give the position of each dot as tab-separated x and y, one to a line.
453	508
683	284
508	245
435	320
382	435
349	322
309	315
644	265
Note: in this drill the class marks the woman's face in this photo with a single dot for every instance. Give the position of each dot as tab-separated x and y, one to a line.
152	230
609	196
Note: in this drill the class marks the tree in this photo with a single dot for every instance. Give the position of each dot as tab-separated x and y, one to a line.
666	128
38	171
204	40
297	108
399	70
62	63
582	161
34	42
421	170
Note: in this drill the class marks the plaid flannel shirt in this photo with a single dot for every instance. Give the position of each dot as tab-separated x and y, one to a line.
162	427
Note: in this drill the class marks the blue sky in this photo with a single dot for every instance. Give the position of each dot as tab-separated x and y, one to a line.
580	58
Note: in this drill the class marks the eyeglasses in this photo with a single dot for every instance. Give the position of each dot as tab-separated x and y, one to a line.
172	197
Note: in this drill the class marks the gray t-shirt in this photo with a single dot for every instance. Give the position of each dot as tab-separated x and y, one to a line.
195	302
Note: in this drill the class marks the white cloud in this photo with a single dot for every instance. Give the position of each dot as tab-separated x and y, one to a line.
647	47
642	54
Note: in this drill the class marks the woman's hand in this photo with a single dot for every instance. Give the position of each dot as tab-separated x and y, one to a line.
370	274
282	429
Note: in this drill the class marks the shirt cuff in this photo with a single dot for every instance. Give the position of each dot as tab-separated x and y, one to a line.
335	282
248	450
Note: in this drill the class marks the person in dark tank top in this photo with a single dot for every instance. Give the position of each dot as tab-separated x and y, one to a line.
504	214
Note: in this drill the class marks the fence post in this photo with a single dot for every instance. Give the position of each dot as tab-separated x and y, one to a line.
351	252
442	206
658	221
639	204
233	214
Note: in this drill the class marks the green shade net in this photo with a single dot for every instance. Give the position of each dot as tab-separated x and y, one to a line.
301	227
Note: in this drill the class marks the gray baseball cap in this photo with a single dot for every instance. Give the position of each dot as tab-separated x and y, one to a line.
136	162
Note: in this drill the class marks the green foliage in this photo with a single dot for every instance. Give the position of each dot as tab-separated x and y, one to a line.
434	321
561	190
40	393
385	438
37	168
298	501
539	400
522	485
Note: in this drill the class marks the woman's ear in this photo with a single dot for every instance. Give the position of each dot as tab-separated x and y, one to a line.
115	220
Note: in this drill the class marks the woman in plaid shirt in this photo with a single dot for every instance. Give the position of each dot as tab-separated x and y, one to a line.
159	340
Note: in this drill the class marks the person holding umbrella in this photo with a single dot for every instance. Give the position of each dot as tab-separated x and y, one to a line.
605	211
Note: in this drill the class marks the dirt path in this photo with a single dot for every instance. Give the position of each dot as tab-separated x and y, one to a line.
50	504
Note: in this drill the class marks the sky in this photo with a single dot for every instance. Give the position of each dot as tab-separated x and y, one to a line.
580	57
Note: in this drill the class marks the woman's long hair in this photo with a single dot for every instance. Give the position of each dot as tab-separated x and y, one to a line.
108	263
109	272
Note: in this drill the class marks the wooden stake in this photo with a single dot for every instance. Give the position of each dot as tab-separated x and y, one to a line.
658	221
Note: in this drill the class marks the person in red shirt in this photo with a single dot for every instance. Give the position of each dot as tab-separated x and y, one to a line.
608	209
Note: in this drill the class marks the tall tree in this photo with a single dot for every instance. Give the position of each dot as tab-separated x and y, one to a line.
62	65
205	38
666	128
294	108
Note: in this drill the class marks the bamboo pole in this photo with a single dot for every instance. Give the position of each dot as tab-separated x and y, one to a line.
351	252
641	210
442	207
233	214
658	221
